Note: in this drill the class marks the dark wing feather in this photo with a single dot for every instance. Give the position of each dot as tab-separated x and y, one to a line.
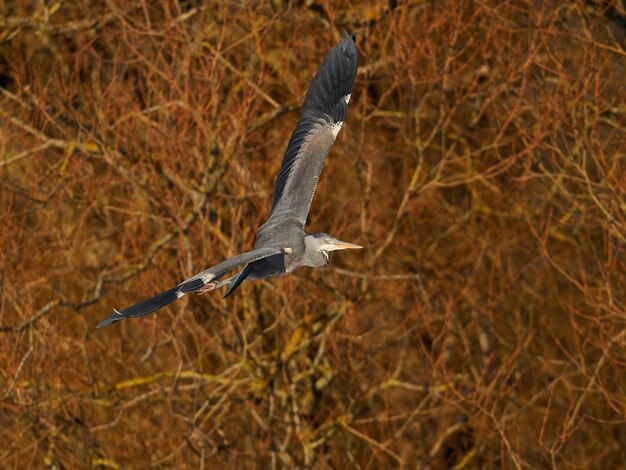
323	112
238	279
198	282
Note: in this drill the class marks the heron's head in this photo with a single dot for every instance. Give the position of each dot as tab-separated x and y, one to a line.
324	243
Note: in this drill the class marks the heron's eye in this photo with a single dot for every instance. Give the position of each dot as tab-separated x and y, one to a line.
326	240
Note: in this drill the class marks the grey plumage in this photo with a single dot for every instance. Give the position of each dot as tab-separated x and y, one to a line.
281	244
198	283
323	112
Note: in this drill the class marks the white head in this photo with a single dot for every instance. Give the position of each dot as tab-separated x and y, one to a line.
319	245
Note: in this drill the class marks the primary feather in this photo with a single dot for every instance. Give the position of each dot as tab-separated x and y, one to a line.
323	112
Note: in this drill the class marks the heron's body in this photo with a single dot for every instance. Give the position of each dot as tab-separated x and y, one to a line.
282	245
298	250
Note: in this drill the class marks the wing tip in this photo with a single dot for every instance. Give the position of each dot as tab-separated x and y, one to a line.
348	43
117	316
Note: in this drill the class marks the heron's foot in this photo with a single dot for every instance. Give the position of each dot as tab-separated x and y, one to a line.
207	288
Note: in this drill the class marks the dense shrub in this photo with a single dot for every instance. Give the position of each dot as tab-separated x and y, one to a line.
482	164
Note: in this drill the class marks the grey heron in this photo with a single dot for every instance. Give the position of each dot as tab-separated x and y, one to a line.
281	244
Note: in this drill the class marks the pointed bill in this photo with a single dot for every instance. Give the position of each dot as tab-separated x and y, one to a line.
339	245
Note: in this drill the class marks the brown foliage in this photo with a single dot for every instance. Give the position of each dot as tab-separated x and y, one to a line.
482	164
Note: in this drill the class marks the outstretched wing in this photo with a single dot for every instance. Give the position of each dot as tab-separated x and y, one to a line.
323	112
200	281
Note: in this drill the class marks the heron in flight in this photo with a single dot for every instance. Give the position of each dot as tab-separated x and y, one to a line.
282	245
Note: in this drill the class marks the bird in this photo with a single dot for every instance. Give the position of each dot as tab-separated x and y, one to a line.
282	245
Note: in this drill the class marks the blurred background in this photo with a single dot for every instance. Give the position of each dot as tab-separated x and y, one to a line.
482	165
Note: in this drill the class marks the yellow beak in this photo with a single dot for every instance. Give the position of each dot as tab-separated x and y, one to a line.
339	245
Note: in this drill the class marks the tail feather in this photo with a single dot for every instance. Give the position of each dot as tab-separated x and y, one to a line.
238	279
